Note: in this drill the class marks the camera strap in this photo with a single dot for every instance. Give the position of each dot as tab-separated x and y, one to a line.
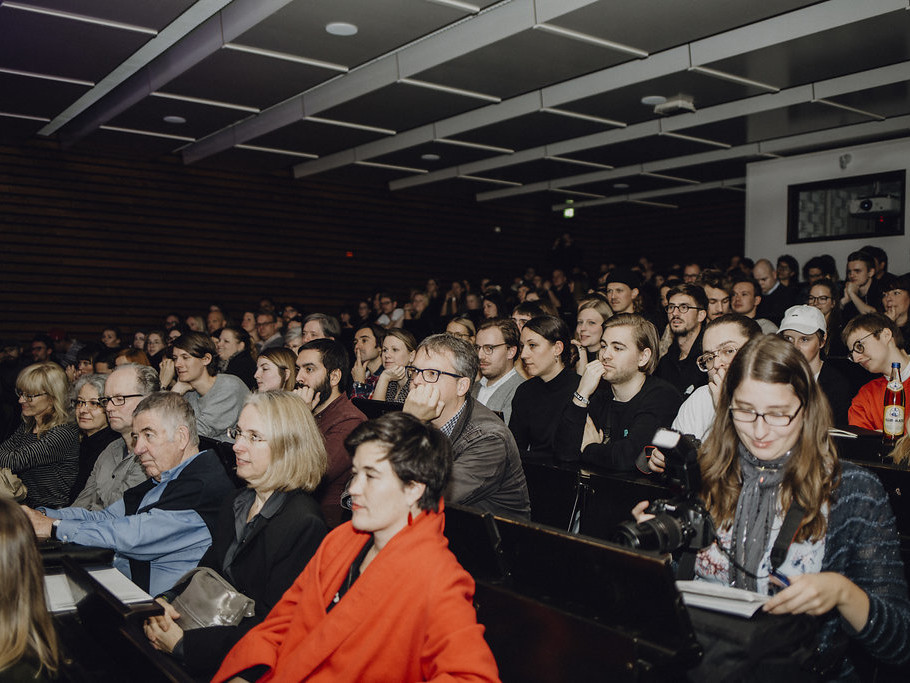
785	537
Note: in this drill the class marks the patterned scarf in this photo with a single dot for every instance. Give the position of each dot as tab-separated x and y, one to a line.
755	512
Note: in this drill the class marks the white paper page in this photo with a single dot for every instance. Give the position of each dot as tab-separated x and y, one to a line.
57	594
726	599
125	590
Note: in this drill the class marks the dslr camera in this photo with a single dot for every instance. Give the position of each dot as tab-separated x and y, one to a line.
680	522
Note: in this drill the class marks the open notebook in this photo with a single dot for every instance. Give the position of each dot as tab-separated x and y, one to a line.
720	598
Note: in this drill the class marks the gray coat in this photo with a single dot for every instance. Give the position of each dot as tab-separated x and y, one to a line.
487	472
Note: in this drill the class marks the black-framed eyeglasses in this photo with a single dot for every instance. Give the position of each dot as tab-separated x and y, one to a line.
682	308
824	298
706	360
859	347
29	397
93	403
771	419
487	349
429	375
117	400
251	437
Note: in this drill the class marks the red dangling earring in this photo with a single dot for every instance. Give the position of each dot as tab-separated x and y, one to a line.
410	518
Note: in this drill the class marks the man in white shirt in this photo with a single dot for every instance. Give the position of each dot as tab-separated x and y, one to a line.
497	344
392	316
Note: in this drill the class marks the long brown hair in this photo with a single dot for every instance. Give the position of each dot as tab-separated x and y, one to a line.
813	470
26	629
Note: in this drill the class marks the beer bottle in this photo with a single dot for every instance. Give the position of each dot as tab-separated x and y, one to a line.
895	402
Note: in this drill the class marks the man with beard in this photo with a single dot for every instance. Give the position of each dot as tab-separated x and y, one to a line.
619	404
497	344
323	374
686	312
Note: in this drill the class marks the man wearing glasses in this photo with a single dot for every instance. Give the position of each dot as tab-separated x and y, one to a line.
874	341
268	330
497	346
486	468
159	529
687	306
117	467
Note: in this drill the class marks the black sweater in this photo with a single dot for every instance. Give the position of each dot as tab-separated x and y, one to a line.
536	408
628	427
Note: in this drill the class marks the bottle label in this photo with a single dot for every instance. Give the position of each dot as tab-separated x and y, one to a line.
894	420
895	385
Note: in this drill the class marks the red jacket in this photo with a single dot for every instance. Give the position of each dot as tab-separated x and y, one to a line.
409	617
867	409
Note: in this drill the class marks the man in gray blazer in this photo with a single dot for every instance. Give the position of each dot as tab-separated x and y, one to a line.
497	344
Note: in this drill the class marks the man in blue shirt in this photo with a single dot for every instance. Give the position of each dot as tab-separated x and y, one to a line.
161	528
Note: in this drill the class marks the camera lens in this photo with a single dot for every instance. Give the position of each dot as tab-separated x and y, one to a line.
662	534
865	205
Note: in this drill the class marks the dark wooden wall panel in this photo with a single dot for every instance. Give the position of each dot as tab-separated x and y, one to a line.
90	240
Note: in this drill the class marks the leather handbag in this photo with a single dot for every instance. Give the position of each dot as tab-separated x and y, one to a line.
209	600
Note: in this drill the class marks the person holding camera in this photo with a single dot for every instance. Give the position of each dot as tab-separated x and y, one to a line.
770	450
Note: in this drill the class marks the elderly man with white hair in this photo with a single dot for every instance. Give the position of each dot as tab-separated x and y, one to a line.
161	528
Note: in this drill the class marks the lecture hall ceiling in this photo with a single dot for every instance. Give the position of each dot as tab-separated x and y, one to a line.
518	99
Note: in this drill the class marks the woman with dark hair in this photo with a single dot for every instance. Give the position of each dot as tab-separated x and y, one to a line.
350	615
44	451
275	370
547	353
235	351
265	534
494	304
216	399
769	450
28	642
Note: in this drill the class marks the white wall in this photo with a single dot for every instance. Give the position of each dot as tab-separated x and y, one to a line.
766	202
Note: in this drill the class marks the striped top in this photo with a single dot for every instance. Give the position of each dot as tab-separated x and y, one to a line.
47	466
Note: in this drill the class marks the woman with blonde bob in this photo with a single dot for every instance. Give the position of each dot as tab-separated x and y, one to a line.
28	641
266	533
44	451
593	312
769	448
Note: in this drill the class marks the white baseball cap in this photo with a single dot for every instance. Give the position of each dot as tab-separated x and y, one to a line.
804	319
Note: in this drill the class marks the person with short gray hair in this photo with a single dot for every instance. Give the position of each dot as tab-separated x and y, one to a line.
486	472
161	528
117	467
321	326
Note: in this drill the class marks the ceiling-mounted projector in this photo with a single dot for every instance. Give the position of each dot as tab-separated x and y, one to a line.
876	205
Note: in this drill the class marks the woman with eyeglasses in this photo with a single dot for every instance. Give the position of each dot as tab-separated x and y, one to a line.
546	349
398	350
462	327
44	451
770	449
92	421
265	534
155	347
722	340
384	599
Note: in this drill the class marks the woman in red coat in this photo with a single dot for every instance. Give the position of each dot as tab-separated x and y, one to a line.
383	599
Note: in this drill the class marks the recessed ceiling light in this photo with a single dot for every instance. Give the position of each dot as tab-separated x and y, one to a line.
653	100
621	186
341	28
430	157
174	119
